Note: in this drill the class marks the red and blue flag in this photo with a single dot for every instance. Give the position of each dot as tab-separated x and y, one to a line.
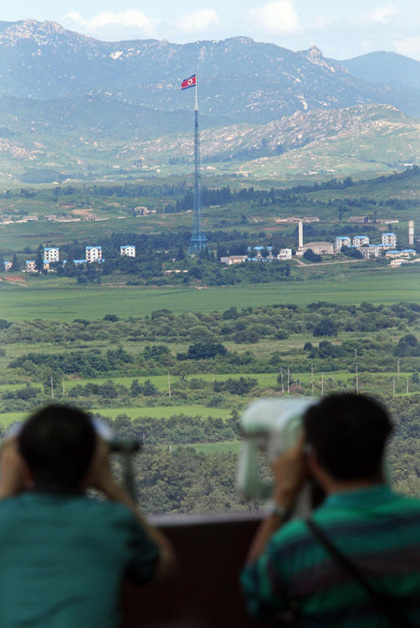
189	82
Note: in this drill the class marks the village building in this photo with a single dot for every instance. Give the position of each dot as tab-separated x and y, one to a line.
371	250
128	250
360	219
284	254
389	240
341	241
234	259
258	250
406	253
360	241
51	254
141	210
93	254
30	266
320	248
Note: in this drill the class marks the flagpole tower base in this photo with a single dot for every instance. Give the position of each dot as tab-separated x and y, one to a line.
198	241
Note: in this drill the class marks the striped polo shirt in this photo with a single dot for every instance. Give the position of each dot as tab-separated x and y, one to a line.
376	528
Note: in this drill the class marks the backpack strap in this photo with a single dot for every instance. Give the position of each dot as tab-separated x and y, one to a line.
387	605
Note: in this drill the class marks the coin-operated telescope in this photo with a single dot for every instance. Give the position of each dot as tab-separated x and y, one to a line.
270	427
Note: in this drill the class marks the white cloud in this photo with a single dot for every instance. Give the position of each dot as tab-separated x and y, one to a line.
279	17
409	47
323	22
107	21
197	21
381	15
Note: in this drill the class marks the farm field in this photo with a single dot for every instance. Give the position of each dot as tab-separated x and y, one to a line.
229	446
265	380
156	412
93	302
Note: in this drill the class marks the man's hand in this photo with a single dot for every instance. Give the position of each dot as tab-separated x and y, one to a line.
100	473
290	473
12	478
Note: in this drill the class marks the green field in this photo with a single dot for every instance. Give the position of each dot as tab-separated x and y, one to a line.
229	446
157	412
381	285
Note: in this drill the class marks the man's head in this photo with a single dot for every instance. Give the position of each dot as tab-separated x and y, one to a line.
57	444
348	434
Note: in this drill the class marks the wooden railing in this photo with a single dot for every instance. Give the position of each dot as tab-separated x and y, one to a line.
205	592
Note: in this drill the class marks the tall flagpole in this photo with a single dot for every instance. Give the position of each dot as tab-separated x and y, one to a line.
198	239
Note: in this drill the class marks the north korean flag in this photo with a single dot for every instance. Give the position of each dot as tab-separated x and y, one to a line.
189	82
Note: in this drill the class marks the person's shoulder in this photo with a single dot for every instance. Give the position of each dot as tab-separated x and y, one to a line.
10	503
107	508
406	502
292	532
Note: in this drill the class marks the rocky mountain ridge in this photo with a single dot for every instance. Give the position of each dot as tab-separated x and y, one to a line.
238	77
75	104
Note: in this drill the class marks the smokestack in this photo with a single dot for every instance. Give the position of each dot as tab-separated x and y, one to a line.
301	234
411	232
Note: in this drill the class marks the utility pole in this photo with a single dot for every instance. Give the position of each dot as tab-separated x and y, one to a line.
393	386
322	384
357	379
312	379
52	387
288	381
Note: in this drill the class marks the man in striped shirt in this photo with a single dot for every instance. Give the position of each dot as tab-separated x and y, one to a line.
342	449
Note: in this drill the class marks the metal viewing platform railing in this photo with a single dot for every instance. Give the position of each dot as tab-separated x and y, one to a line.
205	592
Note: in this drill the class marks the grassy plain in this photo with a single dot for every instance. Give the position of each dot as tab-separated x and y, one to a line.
157	412
39	301
229	446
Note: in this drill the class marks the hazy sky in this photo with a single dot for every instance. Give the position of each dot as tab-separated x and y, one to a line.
341	28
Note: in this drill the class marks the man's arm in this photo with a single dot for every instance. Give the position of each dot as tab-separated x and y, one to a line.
290	473
101	478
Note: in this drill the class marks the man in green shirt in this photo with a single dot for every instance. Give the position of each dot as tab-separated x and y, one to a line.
64	555
342	448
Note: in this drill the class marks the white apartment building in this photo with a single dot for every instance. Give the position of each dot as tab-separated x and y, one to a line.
128	250
360	241
51	254
371	250
341	241
389	239
93	254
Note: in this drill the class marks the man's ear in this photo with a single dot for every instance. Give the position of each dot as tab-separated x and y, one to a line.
314	467
28	479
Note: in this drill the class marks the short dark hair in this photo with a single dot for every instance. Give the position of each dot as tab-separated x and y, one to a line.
57	443
348	433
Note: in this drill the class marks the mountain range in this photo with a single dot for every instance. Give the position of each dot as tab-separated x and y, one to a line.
69	102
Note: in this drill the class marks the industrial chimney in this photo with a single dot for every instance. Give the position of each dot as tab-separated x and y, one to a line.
301	233
411	232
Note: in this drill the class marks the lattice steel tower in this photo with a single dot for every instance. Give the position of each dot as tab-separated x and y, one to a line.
198	239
